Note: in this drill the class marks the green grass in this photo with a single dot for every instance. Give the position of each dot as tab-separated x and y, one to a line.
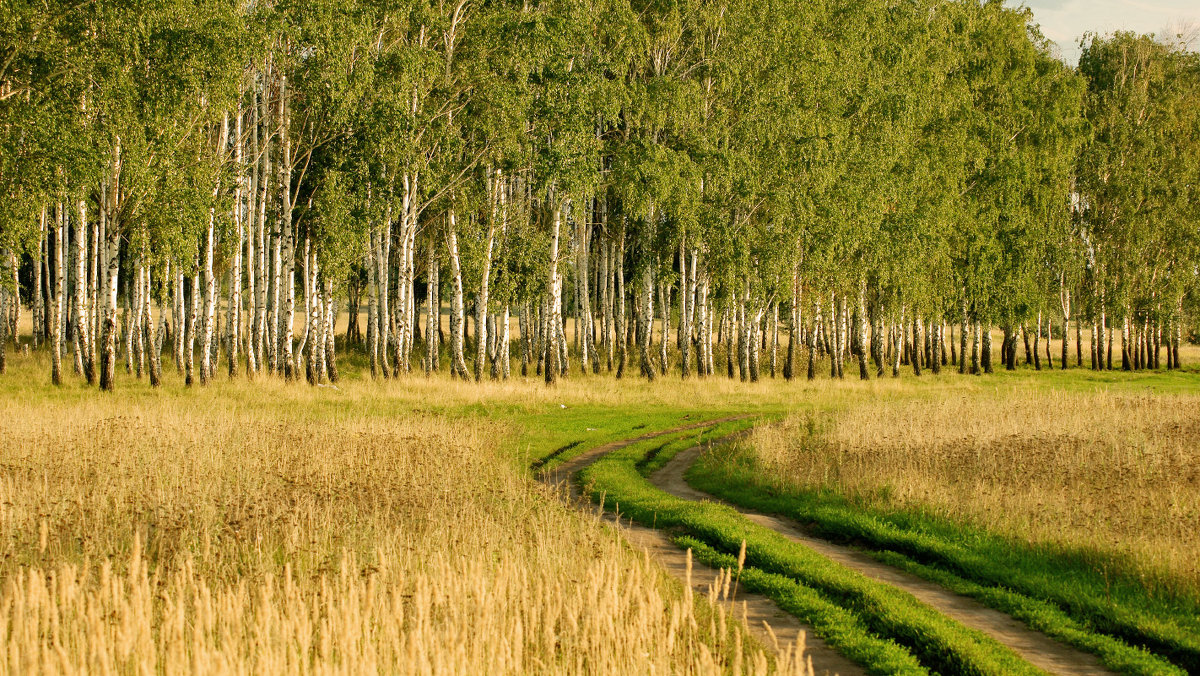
1056	592
835	625
864	620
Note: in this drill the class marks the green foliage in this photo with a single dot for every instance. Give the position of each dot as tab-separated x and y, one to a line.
1059	593
934	152
1138	209
877	618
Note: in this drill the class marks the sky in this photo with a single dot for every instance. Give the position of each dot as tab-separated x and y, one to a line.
1063	21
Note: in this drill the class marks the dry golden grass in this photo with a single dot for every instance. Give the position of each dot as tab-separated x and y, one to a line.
257	529
1114	472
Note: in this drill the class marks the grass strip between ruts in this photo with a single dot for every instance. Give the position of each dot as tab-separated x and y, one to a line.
938	643
1054	602
1041	616
838	627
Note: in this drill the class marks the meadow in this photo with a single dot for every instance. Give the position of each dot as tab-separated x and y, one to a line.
280	529
397	526
1109	471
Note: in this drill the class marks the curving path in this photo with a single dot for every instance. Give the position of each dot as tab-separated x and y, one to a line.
1036	648
765	620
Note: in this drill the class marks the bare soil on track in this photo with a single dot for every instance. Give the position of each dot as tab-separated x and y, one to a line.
759	611
756	610
1034	647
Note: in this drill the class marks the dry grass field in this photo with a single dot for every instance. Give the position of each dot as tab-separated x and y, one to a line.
393	526
1117	472
274	528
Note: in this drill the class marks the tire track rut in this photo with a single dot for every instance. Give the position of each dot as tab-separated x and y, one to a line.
1034	647
756	610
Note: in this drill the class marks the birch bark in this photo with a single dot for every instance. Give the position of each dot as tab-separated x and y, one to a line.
789	364
704	361
190	339
1064	300
1126	364
986	348
1178	333
975	348
82	313
210	297
331	312
812	343
861	313
154	356
683	339
314	366
135	307
831	333
1049	334
56	330
607	267
372	302
433	308
646	322
934	331
621	319
263	343
286	357
664	316
458	364
962	337
234	316
494	180
553	360
251	256
383	315
108	360
179	307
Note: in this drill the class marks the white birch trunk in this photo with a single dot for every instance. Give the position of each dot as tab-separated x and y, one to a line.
210	299
554	314
286	358
301	347
774	338
315	366
621	318
432	309
149	338
383	314
251	256
861	345
458	365
646	322
481	300
135	334
962	337
108	361
82	313
190	338
96	264
39	307
372	302
234	314
263	337
331	312
915	357
704	361
56	327
686	295
180	320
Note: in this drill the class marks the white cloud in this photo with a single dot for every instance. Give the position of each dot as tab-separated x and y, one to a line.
1064	21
